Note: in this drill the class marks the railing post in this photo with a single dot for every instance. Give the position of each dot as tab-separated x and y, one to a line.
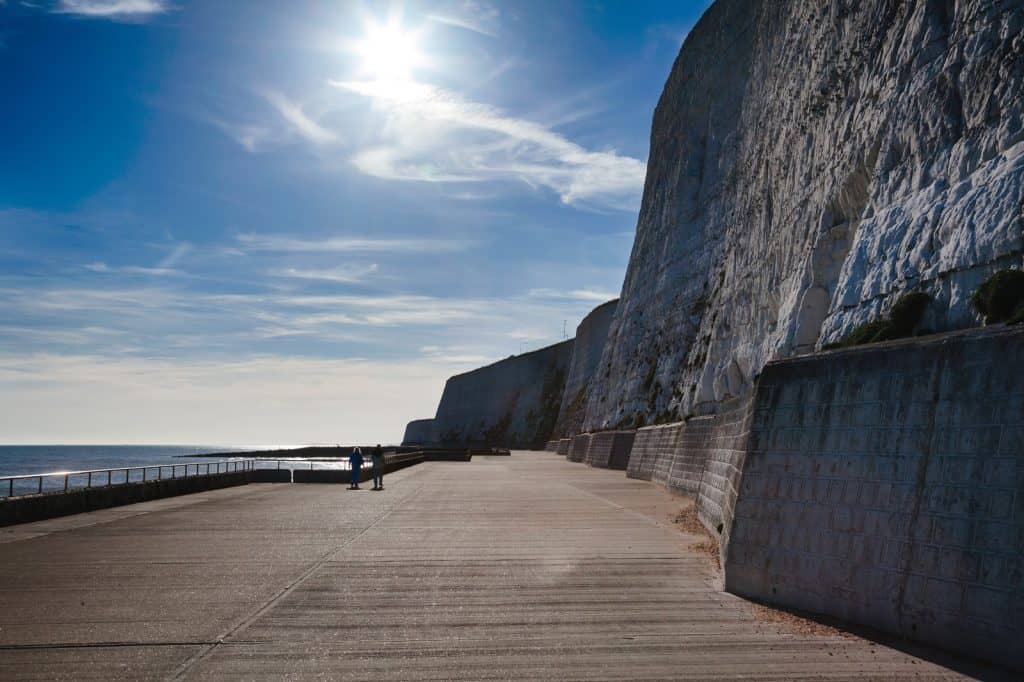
88	483
109	472
127	476
10	487
66	482
40	491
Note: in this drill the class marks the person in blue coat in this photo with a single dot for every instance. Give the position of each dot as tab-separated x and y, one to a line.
355	463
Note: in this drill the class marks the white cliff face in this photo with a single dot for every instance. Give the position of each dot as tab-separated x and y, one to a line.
811	161
512	403
591	335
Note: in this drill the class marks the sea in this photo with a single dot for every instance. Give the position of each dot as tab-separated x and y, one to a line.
62	460
16	460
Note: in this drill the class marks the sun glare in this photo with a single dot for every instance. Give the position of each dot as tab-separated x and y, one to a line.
388	52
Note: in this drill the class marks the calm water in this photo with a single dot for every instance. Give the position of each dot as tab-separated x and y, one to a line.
33	459
18	460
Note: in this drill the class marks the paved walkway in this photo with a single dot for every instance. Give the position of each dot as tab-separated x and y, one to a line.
513	568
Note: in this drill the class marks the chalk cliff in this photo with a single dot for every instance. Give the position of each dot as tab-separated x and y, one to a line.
591	335
512	403
812	160
419	432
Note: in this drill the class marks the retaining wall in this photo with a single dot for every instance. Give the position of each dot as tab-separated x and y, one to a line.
653	450
563	446
885	486
578	447
610	449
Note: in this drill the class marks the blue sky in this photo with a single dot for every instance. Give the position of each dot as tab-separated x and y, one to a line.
249	222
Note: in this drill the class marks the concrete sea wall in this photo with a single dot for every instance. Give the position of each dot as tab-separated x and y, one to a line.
578	447
38	507
610	449
885	486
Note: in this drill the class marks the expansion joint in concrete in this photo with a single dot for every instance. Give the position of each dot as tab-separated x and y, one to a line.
248	620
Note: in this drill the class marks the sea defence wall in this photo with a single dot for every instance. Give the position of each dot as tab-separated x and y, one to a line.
51	505
419	432
610	449
883	485
513	403
591	335
578	447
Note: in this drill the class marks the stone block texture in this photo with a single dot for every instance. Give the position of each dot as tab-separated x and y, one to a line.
653	450
885	486
610	449
578	447
563	446
810	162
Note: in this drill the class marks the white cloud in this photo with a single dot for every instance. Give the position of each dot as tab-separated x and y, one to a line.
299	121
113	9
176	254
574	294
345	273
435	135
471	15
283	243
101	267
253	400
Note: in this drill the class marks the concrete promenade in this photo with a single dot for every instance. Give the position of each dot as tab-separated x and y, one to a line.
511	568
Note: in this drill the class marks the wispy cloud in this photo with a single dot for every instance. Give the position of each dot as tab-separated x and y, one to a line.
299	121
470	15
236	401
454	355
574	294
349	274
251	136
102	267
131	10
176	254
462	140
283	243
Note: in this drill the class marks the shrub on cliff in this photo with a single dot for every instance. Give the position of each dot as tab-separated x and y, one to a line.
1000	298
899	323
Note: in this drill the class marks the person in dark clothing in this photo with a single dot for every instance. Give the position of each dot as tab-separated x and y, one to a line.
355	462
378	468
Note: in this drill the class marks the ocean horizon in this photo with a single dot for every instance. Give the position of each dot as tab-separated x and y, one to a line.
17	460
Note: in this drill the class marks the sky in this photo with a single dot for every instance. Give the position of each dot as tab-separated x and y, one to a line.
278	223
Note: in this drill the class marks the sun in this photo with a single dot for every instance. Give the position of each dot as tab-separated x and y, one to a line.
389	52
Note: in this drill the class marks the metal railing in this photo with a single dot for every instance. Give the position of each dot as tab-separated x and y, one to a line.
64	481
